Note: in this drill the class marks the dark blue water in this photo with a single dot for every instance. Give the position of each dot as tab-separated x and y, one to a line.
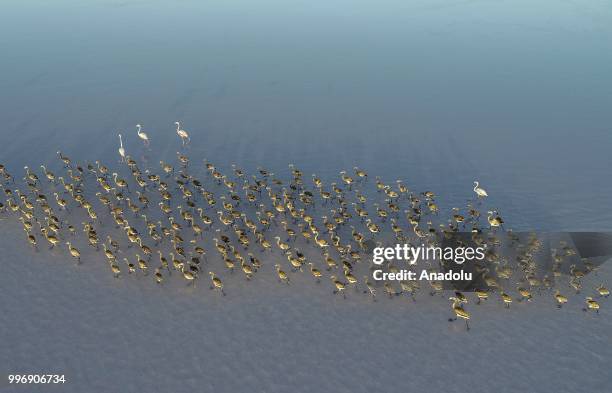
514	94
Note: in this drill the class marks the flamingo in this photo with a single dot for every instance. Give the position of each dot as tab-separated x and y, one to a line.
142	135
182	133
121	149
480	192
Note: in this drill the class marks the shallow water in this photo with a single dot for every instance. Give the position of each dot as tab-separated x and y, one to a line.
515	94
437	93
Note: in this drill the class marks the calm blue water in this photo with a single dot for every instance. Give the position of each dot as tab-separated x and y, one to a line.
515	94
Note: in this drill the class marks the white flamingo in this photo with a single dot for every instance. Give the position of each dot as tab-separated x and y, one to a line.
480	192
142	135
182	133
121	149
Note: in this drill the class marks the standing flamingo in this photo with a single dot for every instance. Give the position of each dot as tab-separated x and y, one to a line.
121	149
182	133
480	192
142	135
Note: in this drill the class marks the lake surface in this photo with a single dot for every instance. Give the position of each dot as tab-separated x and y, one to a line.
514	94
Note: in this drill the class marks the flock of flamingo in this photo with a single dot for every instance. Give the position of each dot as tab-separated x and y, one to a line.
190	220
